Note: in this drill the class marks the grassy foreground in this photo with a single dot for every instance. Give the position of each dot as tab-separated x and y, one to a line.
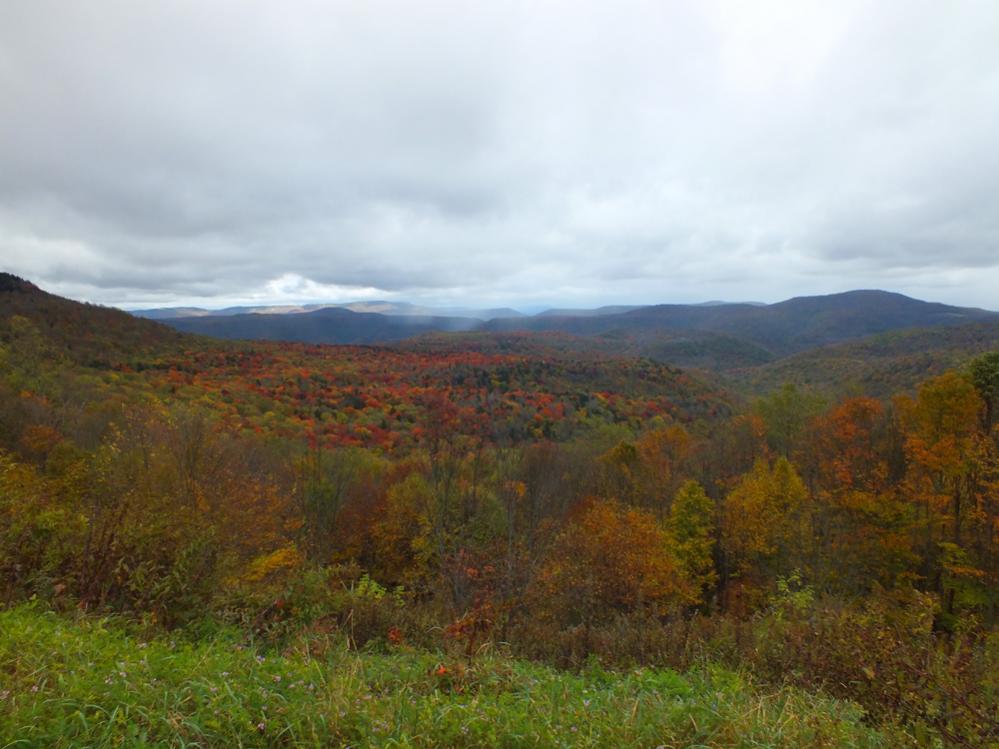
93	683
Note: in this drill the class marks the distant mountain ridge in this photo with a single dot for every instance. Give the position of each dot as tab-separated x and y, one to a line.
876	341
375	306
864	335
782	328
749	332
326	325
597	312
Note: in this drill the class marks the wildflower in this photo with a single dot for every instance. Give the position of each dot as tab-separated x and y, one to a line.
261	726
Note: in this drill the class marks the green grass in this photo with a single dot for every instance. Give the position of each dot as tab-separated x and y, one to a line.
94	683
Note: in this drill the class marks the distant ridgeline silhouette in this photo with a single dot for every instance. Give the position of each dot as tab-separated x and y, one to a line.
11	283
775	329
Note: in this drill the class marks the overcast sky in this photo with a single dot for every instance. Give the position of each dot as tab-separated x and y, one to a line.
525	153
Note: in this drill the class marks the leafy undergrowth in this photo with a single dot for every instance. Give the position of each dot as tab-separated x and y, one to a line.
96	684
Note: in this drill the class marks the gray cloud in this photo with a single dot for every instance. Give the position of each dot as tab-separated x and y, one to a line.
461	152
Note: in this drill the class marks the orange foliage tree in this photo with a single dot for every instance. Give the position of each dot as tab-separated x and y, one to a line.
862	525
611	559
946	454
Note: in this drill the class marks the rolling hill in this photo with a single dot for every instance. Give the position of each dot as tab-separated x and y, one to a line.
342	395
376	306
723	336
878	365
327	325
783	328
84	333
868	341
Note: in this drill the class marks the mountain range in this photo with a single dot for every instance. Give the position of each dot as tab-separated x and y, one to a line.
375	306
745	333
876	341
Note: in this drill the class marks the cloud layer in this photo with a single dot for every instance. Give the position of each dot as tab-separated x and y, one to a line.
499	153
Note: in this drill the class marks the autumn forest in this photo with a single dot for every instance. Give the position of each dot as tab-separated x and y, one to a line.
517	495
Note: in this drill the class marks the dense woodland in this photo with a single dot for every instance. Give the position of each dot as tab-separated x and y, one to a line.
519	493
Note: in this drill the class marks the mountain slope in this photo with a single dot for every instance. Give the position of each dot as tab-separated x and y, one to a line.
86	333
328	325
719	337
878	365
380	307
684	349
783	328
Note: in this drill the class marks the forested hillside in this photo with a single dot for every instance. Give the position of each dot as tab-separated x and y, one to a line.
782	328
877	365
83	334
453	511
333	325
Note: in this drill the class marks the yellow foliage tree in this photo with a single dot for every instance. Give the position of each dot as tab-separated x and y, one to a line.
692	525
765	523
